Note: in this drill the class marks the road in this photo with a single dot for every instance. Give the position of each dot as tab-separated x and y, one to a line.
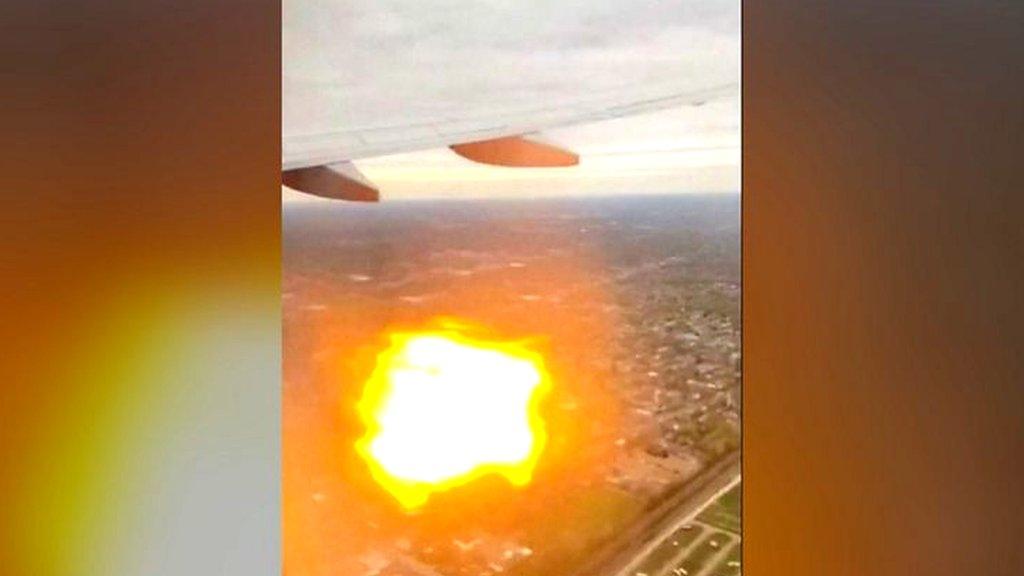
623	556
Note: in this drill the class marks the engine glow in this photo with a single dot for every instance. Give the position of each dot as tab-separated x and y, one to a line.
442	409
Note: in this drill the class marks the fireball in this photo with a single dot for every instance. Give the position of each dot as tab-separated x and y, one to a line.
442	409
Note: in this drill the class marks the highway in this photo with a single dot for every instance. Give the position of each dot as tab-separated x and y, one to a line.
626	553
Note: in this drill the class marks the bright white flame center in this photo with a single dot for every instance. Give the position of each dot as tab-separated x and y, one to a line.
441	410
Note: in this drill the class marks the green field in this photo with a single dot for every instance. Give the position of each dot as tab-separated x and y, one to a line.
580	527
724	513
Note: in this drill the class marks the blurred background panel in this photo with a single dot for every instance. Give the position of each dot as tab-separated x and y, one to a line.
139	429
882	315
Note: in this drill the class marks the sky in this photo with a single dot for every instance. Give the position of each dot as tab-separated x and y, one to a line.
365	63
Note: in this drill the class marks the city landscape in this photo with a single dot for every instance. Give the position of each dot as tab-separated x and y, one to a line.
634	302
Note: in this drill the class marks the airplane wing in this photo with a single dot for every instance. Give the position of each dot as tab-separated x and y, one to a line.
321	163
303	150
364	79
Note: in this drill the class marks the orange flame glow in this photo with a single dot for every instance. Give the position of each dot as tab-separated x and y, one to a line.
442	409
